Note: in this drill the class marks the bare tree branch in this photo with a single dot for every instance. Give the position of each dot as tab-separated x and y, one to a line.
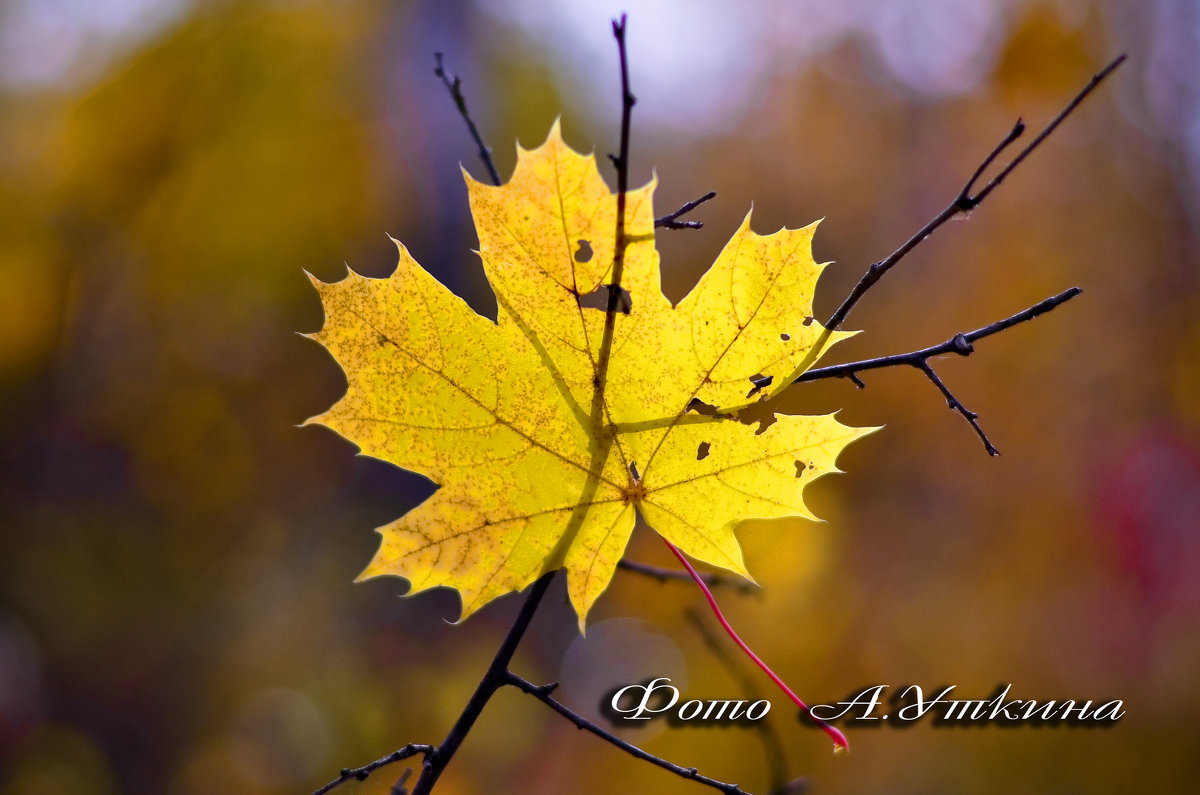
961	344
361	773
669	221
399	787
772	747
542	693
455	88
966	201
621	162
955	405
797	786
1096	80
493	679
498	675
712	579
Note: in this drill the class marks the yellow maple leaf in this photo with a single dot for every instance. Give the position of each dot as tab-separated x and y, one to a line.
543	455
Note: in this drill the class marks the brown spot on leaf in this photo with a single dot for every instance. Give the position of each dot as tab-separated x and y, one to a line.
584	252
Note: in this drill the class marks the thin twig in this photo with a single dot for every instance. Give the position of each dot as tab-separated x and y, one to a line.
400	788
1045	133
797	786
361	773
966	201
455	88
621	161
598	416
956	405
961	344
839	738
772	747
1016	132
543	693
712	579
496	676
493	679
669	221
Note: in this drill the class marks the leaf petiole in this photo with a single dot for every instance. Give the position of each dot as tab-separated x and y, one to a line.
840	743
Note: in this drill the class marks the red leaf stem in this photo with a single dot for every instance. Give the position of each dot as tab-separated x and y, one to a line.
840	743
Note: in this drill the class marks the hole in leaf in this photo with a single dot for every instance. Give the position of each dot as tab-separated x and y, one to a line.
807	321
598	299
799	468
760	414
584	252
757	413
633	472
702	451
760	382
700	407
785	337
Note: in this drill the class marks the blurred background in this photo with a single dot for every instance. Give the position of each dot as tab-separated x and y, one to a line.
176	607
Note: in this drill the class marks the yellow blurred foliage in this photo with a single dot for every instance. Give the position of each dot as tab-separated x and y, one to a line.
176	557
